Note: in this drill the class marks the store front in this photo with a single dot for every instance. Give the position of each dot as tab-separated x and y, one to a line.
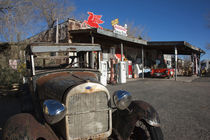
115	49
170	49
139	56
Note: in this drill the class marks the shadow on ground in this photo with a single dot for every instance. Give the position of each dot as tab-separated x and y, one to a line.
9	106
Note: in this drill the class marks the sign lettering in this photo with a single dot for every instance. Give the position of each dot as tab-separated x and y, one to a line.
120	30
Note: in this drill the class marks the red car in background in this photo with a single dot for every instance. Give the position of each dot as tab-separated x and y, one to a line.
162	72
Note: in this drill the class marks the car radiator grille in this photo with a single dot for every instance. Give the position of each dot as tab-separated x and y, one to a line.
88	114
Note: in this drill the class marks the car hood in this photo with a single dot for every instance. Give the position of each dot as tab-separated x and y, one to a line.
54	86
159	70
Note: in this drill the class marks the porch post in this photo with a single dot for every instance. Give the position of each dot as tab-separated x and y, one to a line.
196	64
142	57
199	63
99	59
87	58
92	39
121	47
193	63
91	54
32	64
175	49
57	32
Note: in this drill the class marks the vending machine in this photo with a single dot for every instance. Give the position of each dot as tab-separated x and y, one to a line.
103	70
122	73
130	69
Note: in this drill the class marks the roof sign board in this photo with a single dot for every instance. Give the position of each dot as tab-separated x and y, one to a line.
115	21
118	29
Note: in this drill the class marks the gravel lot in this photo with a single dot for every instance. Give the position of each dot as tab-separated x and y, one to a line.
184	107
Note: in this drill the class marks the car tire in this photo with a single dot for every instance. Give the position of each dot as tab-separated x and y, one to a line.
145	131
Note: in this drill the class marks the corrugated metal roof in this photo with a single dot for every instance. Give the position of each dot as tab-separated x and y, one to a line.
168	46
63	47
111	34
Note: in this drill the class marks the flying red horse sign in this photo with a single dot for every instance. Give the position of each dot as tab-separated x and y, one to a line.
93	21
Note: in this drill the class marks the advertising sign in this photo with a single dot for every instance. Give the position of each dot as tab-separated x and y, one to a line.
115	21
93	21
118	29
13	63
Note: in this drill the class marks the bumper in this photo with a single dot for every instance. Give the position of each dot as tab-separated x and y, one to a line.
159	75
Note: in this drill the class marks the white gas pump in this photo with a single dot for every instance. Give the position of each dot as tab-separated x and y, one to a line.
122	74
103	70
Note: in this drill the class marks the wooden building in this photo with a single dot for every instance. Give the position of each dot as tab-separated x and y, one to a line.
113	45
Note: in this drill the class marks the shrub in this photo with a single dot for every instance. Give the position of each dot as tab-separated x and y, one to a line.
9	76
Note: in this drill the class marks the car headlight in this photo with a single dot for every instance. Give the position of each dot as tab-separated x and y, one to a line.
122	99
54	111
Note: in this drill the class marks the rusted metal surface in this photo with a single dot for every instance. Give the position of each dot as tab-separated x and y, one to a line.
46	78
146	112
124	121
86	76
54	86
24	126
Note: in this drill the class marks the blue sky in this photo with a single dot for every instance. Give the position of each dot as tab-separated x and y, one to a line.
163	20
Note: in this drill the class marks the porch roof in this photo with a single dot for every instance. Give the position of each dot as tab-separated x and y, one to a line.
109	34
167	47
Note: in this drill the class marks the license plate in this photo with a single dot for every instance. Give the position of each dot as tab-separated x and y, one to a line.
157	74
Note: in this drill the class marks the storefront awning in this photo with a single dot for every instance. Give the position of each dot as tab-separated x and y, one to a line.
109	34
167	47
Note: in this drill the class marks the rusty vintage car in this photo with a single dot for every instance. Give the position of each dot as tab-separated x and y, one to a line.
66	101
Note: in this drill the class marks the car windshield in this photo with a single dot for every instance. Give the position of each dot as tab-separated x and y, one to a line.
60	60
161	65
203	64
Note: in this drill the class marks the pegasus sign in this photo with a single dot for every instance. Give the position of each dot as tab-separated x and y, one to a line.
93	21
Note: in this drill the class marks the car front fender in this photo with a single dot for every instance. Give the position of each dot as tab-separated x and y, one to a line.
25	126
124	121
146	112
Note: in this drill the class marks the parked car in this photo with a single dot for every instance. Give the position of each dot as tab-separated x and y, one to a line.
162	72
205	67
66	101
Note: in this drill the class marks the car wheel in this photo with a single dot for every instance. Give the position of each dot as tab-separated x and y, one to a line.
144	131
